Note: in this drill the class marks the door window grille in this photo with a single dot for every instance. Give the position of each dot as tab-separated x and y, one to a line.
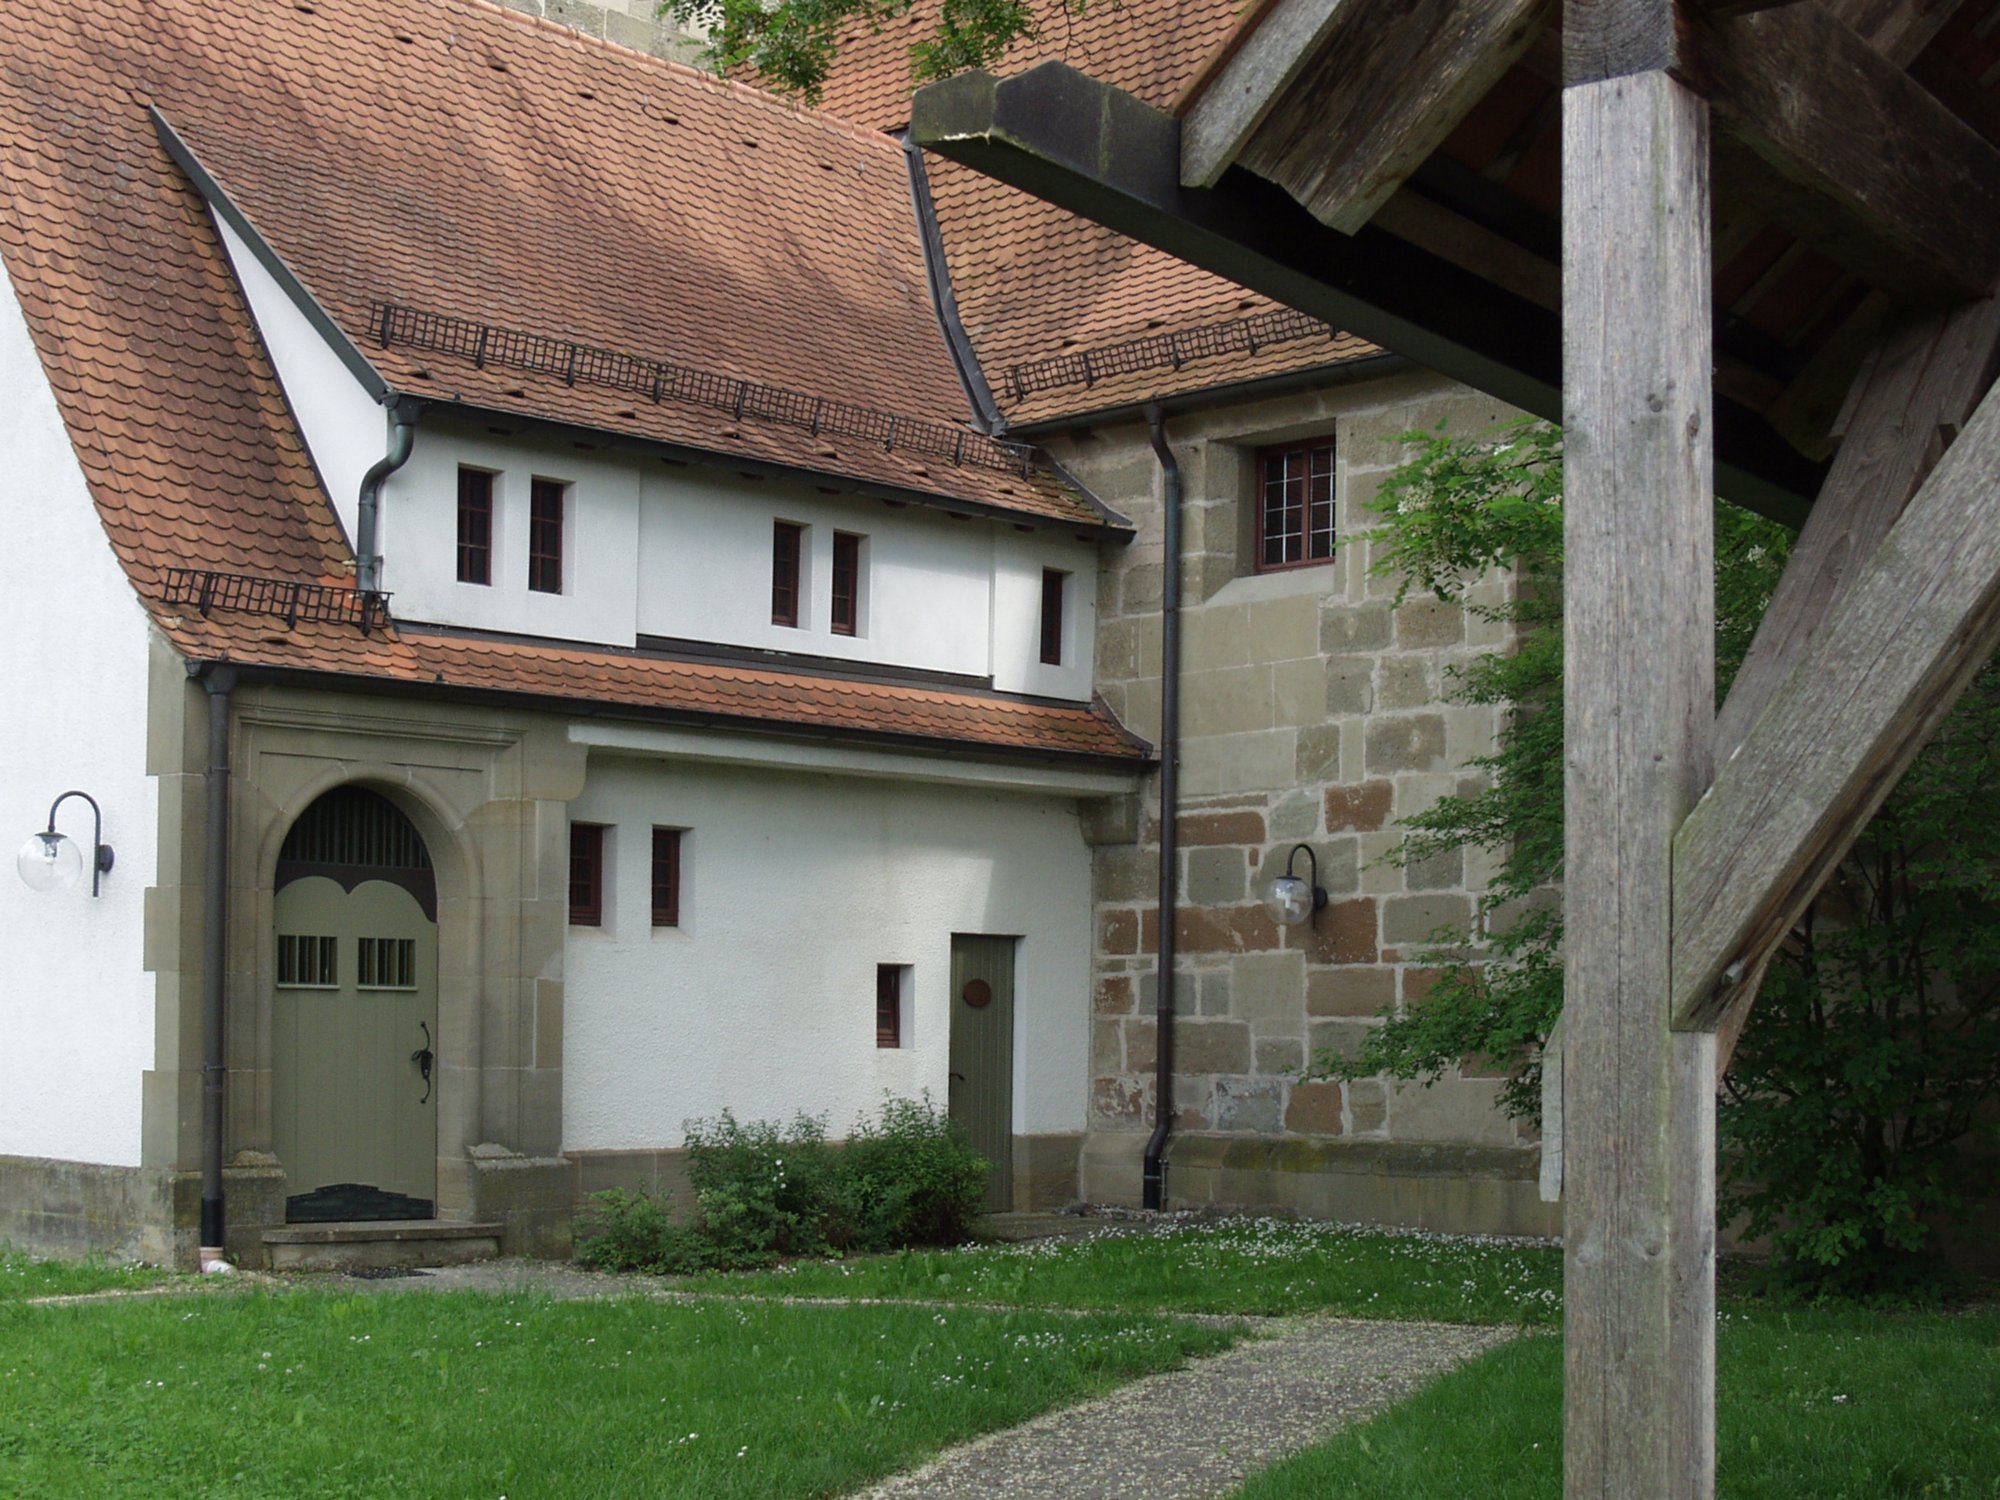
306	961
386	964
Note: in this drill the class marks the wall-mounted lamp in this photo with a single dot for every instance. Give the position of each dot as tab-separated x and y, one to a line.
1291	900
49	861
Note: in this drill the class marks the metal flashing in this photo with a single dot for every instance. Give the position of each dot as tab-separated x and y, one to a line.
986	412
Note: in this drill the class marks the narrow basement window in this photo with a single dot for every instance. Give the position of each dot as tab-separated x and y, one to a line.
475	526
787	541
1054	585
888	1005
586	874
666	877
546	499
846	583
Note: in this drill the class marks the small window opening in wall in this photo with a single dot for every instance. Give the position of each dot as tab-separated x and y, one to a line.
787	542
475	526
846	583
586	874
1054	585
546	499
307	962
667	877
891	993
1294	505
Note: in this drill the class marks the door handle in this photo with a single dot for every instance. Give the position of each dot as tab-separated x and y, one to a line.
423	1058
959	1076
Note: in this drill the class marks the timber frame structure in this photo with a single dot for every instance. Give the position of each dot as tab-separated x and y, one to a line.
1746	245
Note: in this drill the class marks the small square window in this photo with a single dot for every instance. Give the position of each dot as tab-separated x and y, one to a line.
586	874
546	503
1294	505
787	543
889	997
307	961
846	583
386	964
475	526
667	877
1055	584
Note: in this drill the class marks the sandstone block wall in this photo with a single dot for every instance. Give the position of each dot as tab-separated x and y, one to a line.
1316	710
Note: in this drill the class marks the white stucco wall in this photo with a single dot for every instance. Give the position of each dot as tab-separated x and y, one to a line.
76	1004
344	428
795	887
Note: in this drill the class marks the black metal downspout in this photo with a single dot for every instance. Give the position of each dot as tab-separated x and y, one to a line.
403	414
220	682
1170	752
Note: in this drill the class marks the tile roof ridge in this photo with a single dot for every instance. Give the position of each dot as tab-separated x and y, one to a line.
747	93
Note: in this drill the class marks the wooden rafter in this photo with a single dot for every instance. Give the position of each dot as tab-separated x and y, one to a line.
1339	101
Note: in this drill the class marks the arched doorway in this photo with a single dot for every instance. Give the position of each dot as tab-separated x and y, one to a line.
354	1014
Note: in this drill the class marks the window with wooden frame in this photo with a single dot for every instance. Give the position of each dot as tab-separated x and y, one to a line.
1055	584
888	1005
586	874
475	526
1294	505
666	877
546	503
846	583
787	544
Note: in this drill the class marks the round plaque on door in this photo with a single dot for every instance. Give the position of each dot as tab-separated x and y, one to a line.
978	993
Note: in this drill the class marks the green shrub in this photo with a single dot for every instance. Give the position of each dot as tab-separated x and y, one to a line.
764	1192
912	1178
622	1231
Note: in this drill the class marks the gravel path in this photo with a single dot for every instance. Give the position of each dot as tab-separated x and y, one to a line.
1201	1431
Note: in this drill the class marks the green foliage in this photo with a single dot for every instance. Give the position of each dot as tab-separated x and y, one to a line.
790	44
1876	1044
765	1192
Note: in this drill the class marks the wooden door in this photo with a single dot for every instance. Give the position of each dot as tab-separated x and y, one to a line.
354	1038
982	1055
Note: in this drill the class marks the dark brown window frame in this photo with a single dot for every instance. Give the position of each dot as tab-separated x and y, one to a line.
1309	536
545	562
586	874
846	591
667	877
787	550
889	1005
475	553
1055	584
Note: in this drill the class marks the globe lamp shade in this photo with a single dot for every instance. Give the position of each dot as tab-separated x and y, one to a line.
49	861
1289	900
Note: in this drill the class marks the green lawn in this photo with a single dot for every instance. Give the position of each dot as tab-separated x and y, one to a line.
1265	1266
22	1277
459	1394
1836	1404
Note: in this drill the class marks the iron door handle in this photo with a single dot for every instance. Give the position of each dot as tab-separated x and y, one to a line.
422	1057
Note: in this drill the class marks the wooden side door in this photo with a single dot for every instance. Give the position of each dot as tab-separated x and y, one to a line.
982	1055
354	1024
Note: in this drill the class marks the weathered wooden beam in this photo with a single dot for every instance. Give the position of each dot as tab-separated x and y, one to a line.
1898	29
1342	118
1921	617
1638	611
1862	161
1101	153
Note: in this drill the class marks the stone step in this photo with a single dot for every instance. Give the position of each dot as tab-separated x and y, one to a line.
379	1244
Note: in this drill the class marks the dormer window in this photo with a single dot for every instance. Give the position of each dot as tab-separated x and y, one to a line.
546	499
846	583
1055	584
787	543
475	526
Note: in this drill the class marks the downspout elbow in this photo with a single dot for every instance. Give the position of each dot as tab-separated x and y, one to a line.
1155	1170
402	439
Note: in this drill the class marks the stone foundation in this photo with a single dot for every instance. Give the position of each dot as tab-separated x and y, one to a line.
75	1208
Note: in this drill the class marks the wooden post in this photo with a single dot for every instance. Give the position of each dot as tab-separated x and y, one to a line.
1638	1334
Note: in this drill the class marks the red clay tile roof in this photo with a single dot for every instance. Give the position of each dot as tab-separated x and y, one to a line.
1034	282
666	687
364	114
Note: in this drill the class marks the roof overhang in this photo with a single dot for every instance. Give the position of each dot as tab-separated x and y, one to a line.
1105	155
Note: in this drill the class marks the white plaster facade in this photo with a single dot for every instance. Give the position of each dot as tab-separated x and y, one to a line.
796	884
76	1002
